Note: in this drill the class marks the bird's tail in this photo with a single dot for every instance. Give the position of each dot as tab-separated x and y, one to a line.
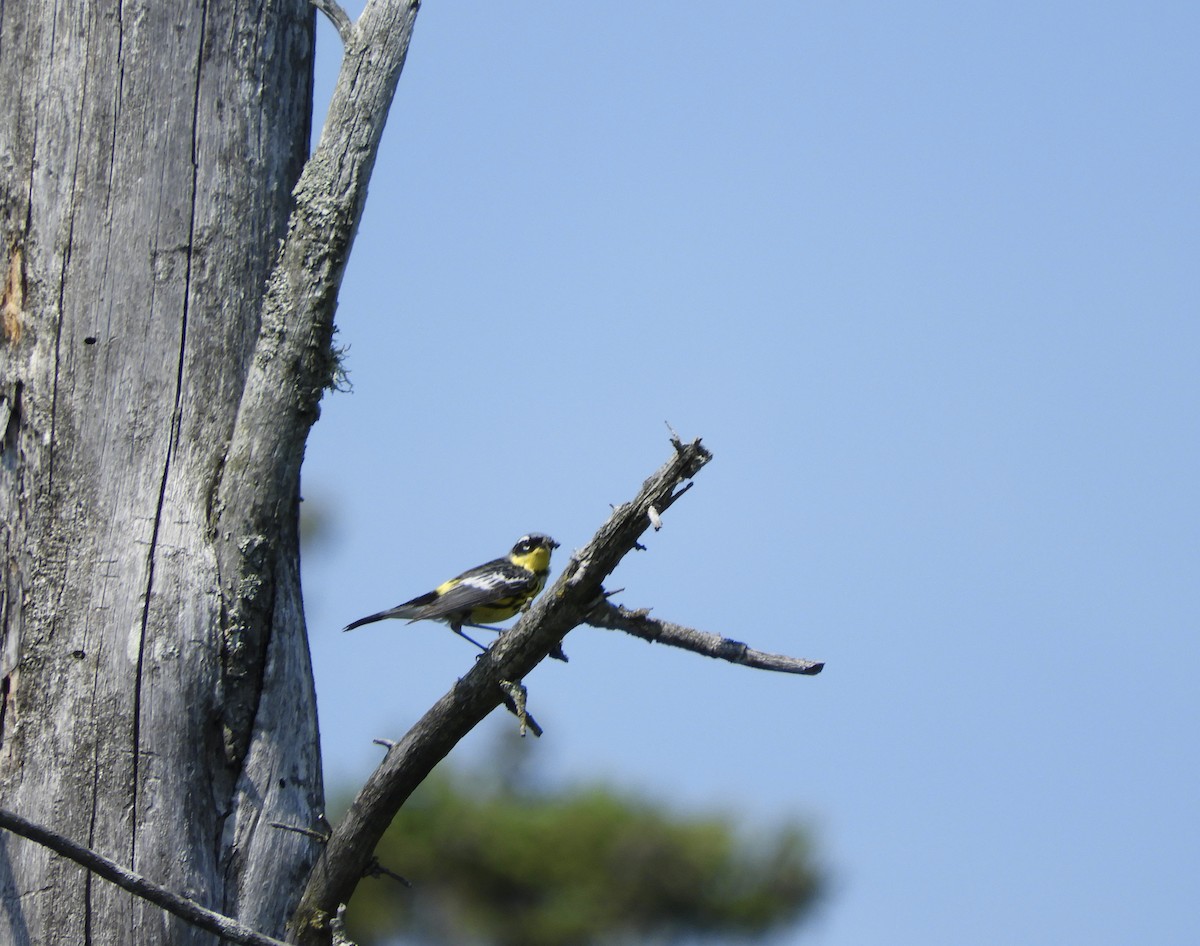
400	611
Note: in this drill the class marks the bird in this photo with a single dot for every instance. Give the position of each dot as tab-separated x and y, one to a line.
493	591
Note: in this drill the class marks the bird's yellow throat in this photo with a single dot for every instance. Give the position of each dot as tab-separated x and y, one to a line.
536	561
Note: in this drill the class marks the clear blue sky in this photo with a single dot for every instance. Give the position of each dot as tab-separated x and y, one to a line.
924	277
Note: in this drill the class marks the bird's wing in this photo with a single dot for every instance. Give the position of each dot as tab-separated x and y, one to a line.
483	585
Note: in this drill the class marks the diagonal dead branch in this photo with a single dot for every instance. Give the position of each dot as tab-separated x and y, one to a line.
514	654
639	623
338	17
217	923
293	360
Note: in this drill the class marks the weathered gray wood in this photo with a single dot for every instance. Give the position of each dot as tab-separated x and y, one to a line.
147	154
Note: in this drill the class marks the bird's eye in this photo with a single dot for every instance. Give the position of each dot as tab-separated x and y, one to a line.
530	543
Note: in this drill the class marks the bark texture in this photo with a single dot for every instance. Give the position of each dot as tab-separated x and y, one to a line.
147	156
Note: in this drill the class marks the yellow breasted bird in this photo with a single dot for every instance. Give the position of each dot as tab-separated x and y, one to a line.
494	591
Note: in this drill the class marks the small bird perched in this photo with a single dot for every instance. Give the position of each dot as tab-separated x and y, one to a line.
494	591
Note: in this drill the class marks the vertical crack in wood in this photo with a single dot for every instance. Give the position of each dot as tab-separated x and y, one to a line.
87	880
172	444
5	686
52	445
12	407
93	814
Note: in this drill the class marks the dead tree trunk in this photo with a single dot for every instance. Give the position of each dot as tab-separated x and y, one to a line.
147	156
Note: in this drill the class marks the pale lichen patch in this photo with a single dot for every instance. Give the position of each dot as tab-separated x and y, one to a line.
12	297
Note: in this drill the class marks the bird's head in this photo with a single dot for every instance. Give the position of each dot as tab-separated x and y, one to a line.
533	551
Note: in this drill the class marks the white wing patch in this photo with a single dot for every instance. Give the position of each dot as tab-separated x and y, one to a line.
487	582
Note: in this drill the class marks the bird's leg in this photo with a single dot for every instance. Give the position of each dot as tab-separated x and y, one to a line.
457	629
556	653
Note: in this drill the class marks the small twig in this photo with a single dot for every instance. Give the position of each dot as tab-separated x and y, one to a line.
640	624
338	17
683	489
515	696
189	910
321	835
375	869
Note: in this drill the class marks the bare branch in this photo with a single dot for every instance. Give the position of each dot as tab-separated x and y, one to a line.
338	17
136	884
640	624
514	654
